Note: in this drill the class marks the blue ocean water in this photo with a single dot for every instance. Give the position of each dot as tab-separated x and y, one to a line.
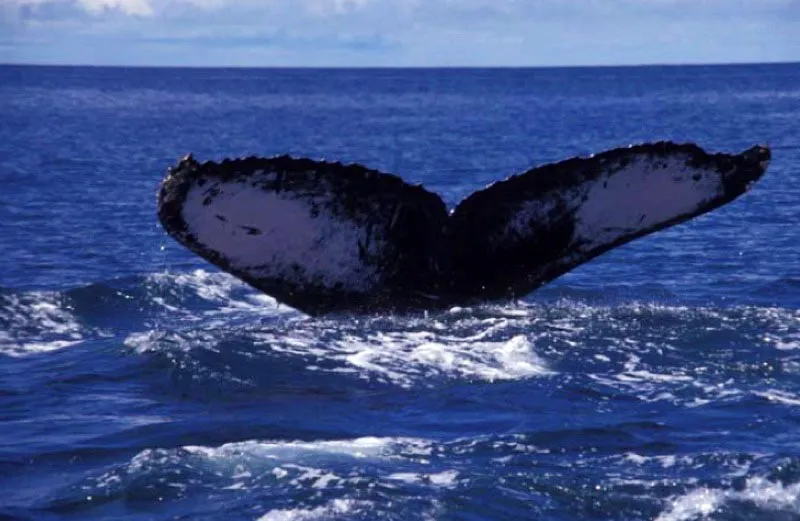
660	381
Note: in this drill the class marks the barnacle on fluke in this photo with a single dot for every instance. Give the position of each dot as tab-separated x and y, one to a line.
324	236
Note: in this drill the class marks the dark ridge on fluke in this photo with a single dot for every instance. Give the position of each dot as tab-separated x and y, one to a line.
325	236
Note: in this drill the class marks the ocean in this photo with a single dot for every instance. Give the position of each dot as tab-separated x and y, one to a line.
660	381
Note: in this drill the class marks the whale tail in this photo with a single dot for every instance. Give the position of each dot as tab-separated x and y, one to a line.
323	237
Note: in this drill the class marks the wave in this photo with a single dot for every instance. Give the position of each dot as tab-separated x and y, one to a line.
210	337
335	509
318	479
215	333
415	478
758	498
39	321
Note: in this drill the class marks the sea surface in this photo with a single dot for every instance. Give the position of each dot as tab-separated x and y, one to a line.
659	382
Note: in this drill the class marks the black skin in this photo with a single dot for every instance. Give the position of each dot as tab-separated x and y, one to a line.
438	260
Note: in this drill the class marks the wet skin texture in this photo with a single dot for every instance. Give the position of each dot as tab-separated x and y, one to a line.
430	259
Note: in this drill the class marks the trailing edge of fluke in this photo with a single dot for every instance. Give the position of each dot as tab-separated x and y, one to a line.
325	237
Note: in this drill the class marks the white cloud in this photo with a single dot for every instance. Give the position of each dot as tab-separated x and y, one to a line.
132	7
527	8
398	32
96	7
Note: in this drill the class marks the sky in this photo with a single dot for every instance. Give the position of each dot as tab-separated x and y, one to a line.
416	33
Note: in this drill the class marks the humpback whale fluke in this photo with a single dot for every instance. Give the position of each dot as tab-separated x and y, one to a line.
323	236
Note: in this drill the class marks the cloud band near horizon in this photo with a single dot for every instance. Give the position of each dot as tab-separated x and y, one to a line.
398	32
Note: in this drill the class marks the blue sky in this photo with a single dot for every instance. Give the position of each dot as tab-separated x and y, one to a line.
397	32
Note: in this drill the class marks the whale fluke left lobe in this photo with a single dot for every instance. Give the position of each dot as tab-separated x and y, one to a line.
315	235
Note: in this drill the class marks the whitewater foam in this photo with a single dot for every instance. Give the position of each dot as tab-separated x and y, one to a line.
37	322
225	293
757	491
311	470
332	510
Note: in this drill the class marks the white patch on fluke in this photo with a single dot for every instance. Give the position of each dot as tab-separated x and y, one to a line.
268	234
643	194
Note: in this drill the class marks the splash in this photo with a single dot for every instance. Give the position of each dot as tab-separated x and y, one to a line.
37	322
758	492
335	509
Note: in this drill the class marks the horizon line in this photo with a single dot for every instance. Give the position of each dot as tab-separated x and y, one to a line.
405	67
